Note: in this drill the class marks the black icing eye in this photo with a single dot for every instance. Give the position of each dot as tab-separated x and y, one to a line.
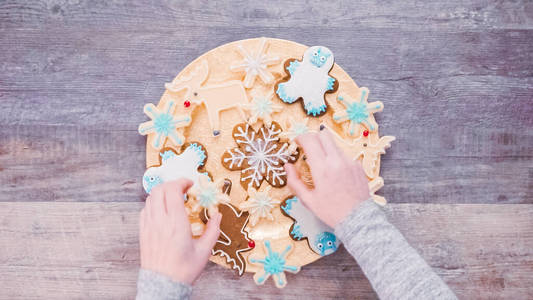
315	54
152	179
319	246
330	243
322	58
195	93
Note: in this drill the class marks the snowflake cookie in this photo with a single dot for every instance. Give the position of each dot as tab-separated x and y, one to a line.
259	156
259	205
255	65
164	124
208	194
296	128
173	166
233	239
273	264
309	80
358	113
319	236
262	107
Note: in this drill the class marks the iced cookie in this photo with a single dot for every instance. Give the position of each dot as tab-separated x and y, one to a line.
274	264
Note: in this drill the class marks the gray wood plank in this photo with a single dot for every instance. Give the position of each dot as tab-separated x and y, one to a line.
479	14
90	250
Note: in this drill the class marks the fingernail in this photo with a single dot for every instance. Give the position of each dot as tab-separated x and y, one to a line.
322	127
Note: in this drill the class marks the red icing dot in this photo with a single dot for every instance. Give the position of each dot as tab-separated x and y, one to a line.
187	103
365	133
251	244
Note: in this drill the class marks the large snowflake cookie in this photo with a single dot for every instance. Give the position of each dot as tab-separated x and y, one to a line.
259	156
309	80
274	264
174	166
164	124
233	239
306	226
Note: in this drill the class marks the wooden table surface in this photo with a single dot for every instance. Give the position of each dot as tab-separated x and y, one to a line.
456	79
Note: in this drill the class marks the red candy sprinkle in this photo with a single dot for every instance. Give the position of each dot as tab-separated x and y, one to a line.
251	244
365	133
187	103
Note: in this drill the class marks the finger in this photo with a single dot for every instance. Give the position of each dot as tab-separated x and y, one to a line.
295	183
328	143
174	192
312	148
208	239
157	203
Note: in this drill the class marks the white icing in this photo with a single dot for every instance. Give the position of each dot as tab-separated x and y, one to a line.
262	108
309	81
255	64
259	205
310	226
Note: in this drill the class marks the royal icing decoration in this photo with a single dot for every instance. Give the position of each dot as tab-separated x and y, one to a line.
174	166
319	236
208	194
273	264
233	239
215	97
374	185
164	124
296	128
362	147
358	112
259	156
309	80
259	205
255	64
262	108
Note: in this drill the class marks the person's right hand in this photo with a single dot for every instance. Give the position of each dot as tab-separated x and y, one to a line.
340	183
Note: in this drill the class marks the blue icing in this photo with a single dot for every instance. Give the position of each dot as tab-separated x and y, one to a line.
274	263
331	82
283	94
296	233
314	111
319	58
288	204
326	242
199	151
167	154
292	66
151	182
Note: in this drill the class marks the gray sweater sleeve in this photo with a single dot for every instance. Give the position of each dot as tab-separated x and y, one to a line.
393	267
154	286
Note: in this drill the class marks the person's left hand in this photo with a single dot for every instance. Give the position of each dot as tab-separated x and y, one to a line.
166	242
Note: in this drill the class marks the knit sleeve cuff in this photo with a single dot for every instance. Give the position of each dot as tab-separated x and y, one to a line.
152	285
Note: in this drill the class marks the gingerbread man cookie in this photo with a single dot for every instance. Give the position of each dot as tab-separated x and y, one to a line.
259	156
309	80
233	239
173	166
306	226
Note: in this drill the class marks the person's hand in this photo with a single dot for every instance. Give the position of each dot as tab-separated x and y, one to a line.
340	183
167	246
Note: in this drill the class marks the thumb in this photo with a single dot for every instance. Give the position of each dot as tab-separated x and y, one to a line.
296	184
208	239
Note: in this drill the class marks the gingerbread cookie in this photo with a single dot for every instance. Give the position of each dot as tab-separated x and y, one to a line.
309	80
259	156
164	124
214	97
307	226
358	113
233	239
173	166
274	264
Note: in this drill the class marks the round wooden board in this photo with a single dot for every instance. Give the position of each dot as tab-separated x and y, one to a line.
219	61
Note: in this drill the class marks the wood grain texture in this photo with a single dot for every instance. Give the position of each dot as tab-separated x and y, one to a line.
456	79
90	250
